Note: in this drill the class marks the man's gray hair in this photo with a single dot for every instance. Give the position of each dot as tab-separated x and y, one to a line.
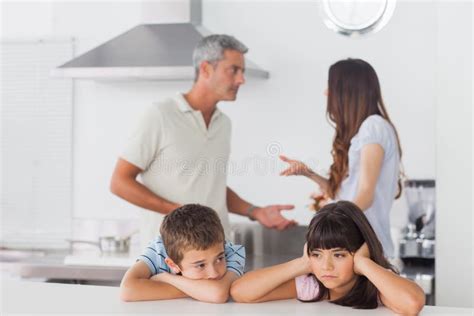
211	49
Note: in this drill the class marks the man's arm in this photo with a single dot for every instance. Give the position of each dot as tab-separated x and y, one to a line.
136	285
125	185
211	291
269	216
235	204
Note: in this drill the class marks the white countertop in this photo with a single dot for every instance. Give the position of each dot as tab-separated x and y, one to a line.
18	296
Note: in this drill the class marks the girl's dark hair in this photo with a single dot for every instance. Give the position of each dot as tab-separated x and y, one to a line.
344	225
353	95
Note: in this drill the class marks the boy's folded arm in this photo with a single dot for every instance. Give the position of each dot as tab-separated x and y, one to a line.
211	291
268	284
136	285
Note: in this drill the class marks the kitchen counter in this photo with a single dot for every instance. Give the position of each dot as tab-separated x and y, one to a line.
264	247
96	268
20	296
51	266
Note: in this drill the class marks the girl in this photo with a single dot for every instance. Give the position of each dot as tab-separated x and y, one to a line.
366	149
342	263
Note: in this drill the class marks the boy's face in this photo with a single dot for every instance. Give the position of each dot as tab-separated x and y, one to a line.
203	264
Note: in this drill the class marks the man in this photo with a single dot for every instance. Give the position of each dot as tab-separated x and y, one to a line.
181	146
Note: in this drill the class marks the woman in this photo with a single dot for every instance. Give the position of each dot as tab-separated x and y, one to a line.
366	148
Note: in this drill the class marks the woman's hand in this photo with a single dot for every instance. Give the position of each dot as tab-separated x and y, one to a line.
320	200
295	168
298	168
361	256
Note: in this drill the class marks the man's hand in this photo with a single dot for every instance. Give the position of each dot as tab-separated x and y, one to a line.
270	216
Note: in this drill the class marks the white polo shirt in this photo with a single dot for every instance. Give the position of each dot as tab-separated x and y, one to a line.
182	160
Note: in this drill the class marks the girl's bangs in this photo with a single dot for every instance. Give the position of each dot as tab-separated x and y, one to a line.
328	234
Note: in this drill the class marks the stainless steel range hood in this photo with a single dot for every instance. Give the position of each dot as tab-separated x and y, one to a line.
147	52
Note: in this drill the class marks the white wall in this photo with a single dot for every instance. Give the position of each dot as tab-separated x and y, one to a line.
454	252
26	19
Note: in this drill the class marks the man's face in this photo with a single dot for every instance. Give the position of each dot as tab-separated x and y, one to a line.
204	264
226	75
333	267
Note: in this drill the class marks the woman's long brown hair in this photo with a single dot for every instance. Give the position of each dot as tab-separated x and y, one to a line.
353	95
344	225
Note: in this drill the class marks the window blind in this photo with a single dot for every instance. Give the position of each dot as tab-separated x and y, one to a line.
36	144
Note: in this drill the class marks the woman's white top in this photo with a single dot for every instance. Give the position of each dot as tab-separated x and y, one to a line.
375	130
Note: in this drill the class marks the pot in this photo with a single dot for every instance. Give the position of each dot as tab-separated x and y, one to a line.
110	244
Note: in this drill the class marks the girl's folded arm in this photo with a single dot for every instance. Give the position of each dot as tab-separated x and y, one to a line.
284	291
136	285
397	293
269	284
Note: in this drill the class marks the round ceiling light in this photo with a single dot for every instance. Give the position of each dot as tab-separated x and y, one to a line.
357	17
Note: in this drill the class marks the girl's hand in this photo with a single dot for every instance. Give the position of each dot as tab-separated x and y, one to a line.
361	255
306	264
296	168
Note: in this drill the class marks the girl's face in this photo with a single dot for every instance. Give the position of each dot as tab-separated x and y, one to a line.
333	267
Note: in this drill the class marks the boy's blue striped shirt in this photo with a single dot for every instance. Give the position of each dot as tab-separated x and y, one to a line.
154	256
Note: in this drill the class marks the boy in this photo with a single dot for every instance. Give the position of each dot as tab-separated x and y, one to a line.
190	259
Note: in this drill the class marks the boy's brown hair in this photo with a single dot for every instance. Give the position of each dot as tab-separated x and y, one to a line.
191	226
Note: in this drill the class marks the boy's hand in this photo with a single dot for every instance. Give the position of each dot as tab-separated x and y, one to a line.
361	255
162	277
211	291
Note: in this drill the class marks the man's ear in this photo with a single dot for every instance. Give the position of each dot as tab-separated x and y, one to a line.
205	69
173	266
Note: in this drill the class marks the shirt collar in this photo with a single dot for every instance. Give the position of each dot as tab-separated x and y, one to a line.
184	106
